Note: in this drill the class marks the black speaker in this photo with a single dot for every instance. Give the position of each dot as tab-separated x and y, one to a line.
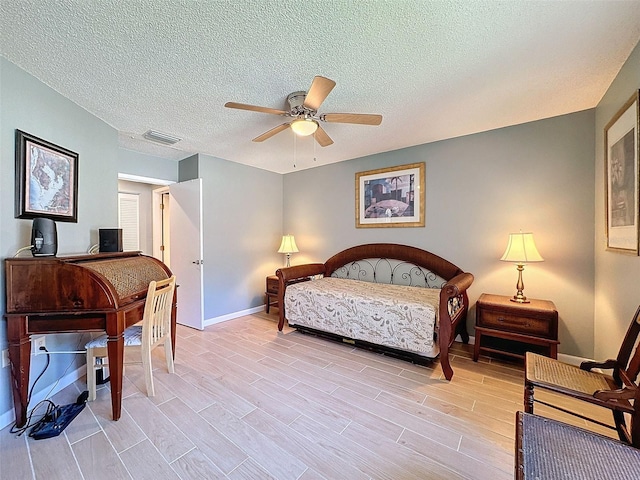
44	237
110	239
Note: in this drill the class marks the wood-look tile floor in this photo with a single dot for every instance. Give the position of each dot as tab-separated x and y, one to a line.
247	402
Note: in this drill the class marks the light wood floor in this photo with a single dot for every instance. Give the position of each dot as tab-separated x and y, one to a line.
248	402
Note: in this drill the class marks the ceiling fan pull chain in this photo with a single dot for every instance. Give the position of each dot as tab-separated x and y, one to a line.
295	150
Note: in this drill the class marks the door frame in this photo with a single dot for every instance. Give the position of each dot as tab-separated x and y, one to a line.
157	220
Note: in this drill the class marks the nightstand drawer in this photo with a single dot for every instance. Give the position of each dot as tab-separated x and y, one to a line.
272	284
514	323
513	328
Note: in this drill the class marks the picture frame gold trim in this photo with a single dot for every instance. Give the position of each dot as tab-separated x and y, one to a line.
622	170
46	180
391	197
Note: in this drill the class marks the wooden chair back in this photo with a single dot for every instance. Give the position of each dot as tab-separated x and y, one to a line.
156	320
156	331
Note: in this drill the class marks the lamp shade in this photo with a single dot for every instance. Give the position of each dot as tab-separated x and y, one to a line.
304	126
521	249
288	245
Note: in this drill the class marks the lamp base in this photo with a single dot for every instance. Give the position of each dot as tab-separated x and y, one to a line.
519	296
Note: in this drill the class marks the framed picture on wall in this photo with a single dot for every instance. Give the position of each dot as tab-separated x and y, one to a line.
622	193
46	180
391	197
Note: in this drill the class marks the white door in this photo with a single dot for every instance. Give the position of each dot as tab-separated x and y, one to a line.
186	250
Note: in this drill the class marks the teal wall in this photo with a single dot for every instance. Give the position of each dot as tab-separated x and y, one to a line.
535	177
617	275
242	231
242	218
29	105
135	163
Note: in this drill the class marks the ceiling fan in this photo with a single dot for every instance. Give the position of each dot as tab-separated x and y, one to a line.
303	108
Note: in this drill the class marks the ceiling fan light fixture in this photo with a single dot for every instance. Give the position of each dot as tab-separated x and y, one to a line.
304	126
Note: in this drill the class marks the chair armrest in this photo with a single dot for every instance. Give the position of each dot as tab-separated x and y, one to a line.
626	393
606	365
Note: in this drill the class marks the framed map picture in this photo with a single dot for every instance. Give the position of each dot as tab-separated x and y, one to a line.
622	192
46	180
390	197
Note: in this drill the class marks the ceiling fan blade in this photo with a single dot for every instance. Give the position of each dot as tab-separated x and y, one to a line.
359	118
322	138
254	108
320	88
271	133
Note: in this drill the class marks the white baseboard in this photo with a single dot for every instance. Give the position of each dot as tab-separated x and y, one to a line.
7	418
231	316
571	360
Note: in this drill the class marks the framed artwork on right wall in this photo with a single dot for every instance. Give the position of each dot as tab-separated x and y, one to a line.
622	192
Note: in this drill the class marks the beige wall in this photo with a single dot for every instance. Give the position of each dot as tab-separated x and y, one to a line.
617	280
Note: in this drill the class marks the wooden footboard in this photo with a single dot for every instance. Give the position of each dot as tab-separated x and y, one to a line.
289	275
454	303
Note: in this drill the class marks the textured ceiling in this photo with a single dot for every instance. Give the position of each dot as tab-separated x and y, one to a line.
433	69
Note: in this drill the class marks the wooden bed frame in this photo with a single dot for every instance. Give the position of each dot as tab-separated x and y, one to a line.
453	294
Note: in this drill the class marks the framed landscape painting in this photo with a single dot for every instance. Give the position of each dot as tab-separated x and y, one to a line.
46	180
390	197
622	152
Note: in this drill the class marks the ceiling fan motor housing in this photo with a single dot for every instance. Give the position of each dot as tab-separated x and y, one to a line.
296	104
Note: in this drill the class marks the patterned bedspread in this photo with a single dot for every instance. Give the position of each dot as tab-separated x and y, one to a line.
395	316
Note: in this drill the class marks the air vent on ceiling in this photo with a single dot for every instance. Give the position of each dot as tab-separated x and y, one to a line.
163	138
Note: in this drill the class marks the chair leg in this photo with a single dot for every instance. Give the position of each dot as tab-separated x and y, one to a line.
621	427
147	366
91	374
168	353
528	397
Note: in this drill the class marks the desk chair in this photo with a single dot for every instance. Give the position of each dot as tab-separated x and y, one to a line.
618	392
154	331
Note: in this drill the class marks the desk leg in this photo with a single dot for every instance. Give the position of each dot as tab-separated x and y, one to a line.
115	352
20	357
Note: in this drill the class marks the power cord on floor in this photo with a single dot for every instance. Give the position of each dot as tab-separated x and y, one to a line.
52	411
50	405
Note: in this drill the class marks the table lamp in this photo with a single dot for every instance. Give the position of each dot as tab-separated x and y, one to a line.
521	249
288	246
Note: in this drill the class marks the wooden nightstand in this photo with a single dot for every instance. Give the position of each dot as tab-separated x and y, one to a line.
272	291
511	328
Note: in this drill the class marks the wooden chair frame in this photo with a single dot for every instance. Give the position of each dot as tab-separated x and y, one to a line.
618	392
156	331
